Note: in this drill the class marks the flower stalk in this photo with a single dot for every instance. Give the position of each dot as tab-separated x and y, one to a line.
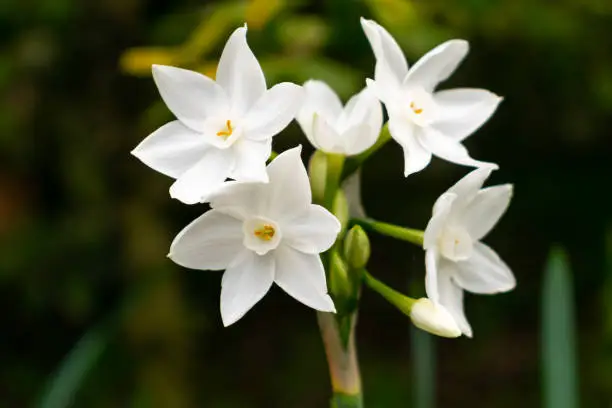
411	235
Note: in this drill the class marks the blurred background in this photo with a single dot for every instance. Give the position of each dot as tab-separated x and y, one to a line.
93	314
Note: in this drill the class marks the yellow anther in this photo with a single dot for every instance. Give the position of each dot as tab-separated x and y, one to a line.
415	109
266	232
226	133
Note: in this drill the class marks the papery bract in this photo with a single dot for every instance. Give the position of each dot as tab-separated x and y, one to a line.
455	258
223	128
421	121
263	233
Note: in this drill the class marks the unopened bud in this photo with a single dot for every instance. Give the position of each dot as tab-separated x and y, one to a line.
339	283
357	248
434	318
340	210
317	171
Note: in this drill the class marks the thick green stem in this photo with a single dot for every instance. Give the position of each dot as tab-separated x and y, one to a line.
405	234
399	300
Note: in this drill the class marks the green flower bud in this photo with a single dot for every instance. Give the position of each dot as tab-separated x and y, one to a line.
357	248
339	284
341	211
317	171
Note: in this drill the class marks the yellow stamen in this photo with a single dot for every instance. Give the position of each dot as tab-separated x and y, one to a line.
226	133
415	109
266	232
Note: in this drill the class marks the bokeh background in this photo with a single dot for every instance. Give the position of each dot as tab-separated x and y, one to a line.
93	314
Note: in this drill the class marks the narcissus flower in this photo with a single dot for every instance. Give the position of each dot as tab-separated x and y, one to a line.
334	129
434	318
224	128
421	121
260	234
455	258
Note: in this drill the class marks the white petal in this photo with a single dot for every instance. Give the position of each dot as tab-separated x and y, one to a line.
486	209
241	199
239	73
273	111
325	137
289	187
199	181
391	65
467	188
451	297
191	96
359	138
437	65
212	241
251	157
438	221
434	318
416	156
484	272
463	111
244	283
448	148
432	259
361	121
303	277
312	232
172	149
320	98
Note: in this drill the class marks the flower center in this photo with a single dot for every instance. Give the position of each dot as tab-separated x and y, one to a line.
422	109
456	244
227	131
265	232
261	234
415	109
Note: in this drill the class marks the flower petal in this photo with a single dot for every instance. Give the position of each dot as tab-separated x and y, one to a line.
416	156
359	138
172	149
325	137
191	96
239	73
211	241
486	209
204	177
361	121
463	111
251	157
437	65
441	211
448	148
303	277
312	232
391	65
318	98
484	272
273	111
451	297
240	199
289	188
432	258
467	188
244	283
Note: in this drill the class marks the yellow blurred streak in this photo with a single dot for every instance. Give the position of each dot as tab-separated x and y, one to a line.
208	68
393	12
259	12
138	61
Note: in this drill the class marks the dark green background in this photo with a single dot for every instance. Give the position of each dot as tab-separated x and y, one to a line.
85	227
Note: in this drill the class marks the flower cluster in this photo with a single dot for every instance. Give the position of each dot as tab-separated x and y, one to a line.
263	227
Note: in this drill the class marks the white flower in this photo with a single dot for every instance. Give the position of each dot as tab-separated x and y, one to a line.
331	128
224	128
421	121
260	234
455	258
434	318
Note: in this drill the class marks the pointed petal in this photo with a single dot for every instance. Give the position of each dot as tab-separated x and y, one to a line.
319	98
359	138
416	156
437	65
448	148
451	297
241	199
251	157
239	73
273	111
211	241
289	188
325	137
431	274
486	209
172	149
484	272
303	277
199	181
312	232
244	283
391	65
463	111
362	121
191	96
441	212
467	188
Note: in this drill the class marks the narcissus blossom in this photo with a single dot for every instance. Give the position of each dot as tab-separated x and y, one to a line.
455	258
334	129
422	121
260	234
224	128
434	318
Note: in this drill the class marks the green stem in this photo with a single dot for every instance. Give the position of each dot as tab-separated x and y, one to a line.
355	162
413	236
399	300
335	163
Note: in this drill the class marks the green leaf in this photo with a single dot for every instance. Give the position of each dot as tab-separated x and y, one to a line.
423	368
558	334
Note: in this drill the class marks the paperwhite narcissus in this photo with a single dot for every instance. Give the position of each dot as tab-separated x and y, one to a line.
224	128
263	233
333	129
455	258
421	121
434	318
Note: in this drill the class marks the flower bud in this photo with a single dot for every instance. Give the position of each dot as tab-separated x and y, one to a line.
341	211
357	248
433	318
317	171
339	283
